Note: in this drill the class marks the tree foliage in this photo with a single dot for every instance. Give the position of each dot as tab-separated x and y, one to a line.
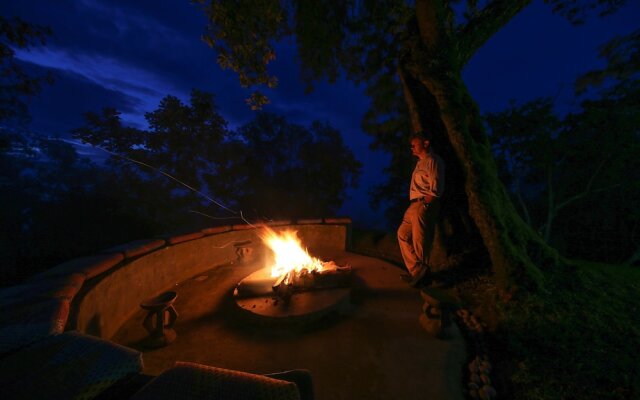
331	36
622	55
55	206
605	225
421	47
575	178
284	170
267	168
577	11
531	152
153	170
15	83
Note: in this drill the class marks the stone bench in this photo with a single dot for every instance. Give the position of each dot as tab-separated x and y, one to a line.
73	296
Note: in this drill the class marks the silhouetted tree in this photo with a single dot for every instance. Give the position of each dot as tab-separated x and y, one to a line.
287	170
268	168
55	206
575	179
427	44
531	153
604	222
622	55
184	141
15	83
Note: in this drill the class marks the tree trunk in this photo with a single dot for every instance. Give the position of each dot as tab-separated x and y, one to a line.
456	236
516	251
434	55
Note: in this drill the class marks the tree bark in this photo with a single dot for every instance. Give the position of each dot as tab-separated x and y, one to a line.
414	114
435	61
515	249
456	236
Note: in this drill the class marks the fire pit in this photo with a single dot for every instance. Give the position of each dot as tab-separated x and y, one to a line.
293	285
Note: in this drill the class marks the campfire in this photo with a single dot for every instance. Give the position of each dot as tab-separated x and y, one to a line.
291	269
289	256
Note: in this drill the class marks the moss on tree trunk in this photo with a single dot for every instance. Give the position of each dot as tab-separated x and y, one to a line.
433	56
517	252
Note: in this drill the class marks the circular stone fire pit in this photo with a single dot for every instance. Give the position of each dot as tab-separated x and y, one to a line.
255	294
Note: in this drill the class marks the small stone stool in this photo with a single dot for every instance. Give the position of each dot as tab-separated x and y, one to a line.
161	334
436	313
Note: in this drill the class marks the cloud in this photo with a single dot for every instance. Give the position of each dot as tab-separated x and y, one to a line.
130	22
59	108
145	87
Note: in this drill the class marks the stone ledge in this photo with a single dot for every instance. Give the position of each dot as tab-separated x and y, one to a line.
216	229
136	248
58	287
241	227
306	221
280	222
185	237
89	266
337	220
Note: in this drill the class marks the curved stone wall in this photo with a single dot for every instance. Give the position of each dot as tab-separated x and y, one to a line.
107	302
97	294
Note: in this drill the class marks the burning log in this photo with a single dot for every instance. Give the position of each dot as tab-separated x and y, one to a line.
262	284
333	276
283	288
293	270
284	279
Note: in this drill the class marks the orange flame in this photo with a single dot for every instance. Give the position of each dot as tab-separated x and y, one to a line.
289	253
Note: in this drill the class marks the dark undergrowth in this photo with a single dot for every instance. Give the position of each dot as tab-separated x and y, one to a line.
578	339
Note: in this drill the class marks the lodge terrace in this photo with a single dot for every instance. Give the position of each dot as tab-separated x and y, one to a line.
79	331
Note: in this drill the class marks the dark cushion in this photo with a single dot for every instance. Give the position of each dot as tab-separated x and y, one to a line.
66	366
195	381
30	321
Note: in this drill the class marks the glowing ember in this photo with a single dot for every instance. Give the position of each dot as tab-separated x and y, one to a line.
289	254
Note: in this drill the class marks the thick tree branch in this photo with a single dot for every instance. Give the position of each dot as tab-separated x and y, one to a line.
525	209
488	21
430	15
587	190
551	210
416	125
634	257
583	194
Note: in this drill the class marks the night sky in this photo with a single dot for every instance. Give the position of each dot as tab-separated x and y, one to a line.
130	54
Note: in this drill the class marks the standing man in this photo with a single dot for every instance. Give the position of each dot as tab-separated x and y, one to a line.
418	224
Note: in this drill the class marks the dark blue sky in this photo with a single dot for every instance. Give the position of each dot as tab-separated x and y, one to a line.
129	54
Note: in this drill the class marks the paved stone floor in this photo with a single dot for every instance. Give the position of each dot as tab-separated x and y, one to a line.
372	349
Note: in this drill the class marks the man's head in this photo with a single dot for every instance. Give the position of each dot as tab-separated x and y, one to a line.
420	144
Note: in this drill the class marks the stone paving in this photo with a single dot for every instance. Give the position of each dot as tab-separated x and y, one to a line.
373	349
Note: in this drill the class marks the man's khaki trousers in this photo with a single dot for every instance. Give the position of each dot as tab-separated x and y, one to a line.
416	232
